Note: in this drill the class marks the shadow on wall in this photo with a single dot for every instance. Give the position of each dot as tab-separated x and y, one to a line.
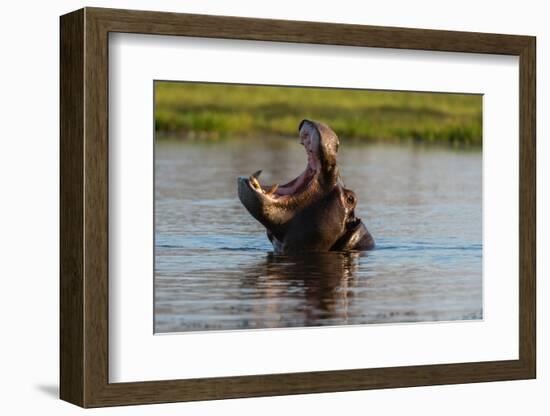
49	390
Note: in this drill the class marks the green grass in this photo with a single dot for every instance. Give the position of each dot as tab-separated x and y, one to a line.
215	111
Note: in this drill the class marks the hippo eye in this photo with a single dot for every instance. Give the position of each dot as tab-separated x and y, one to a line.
350	199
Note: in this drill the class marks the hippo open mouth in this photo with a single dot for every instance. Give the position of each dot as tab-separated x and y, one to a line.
273	204
303	181
312	212
292	188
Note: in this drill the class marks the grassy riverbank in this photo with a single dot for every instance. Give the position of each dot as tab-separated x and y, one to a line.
215	111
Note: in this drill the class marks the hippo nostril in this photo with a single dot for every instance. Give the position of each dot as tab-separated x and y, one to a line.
353	222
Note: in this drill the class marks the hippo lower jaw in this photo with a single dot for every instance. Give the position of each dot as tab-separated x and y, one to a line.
274	210
276	193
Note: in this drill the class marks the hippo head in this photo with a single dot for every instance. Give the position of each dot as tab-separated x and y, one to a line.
312	212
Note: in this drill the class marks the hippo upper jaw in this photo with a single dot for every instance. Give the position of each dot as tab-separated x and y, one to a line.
275	205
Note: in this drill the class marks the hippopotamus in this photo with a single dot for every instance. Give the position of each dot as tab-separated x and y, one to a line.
313	212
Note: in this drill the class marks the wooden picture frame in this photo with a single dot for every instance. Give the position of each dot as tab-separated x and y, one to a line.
84	207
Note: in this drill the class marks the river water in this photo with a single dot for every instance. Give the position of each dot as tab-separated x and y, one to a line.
215	270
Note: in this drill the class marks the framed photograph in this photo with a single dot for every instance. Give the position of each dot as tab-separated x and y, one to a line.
255	207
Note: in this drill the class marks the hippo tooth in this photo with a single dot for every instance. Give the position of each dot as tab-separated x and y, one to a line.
256	174
272	189
255	182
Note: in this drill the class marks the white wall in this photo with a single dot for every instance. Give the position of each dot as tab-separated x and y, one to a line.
29	208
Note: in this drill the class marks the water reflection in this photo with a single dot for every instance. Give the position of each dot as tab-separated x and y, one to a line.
321	281
214	270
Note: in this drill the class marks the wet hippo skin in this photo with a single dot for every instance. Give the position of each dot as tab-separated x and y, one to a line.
314	212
